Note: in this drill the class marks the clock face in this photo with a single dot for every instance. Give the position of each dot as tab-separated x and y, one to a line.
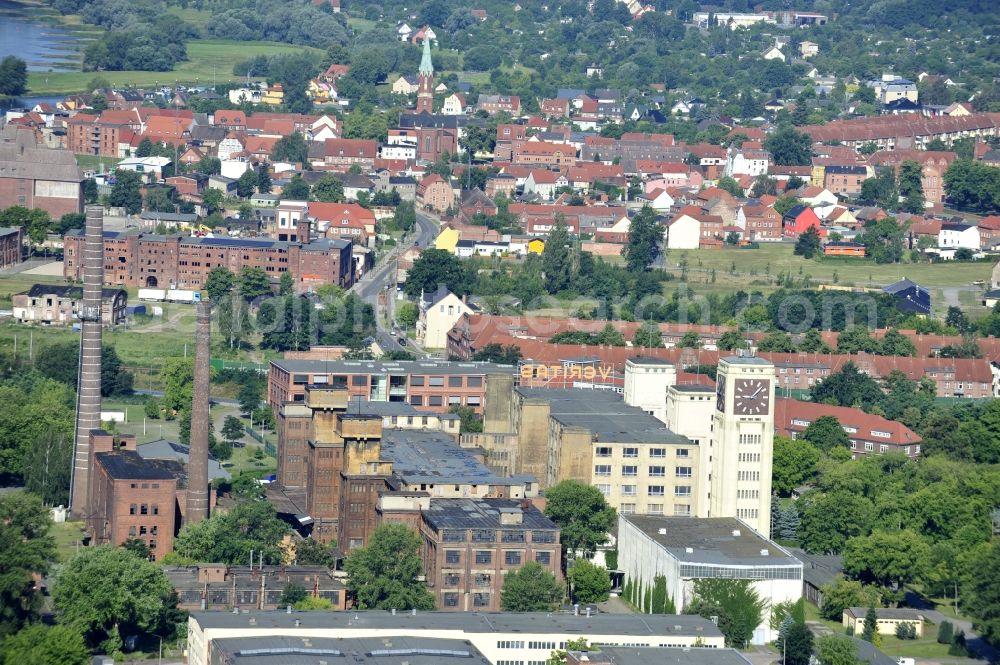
720	394
752	397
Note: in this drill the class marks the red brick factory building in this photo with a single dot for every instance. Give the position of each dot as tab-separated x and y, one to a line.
172	261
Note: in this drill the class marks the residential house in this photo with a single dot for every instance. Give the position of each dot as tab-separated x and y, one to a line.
845	179
405	85
747	161
475	202
544	183
808	49
761	222
554	108
494	104
454	104
436	193
347	152
773	53
439	311
798	219
958	236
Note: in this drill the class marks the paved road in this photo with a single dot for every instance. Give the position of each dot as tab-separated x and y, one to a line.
382	278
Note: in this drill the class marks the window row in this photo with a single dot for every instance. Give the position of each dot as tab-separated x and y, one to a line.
633	452
143	509
485	557
630	471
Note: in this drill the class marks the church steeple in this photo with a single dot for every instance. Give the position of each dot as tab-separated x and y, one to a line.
425	80
426	67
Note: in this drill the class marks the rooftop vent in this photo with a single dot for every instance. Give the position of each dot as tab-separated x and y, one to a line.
736	533
689	550
662	532
764	552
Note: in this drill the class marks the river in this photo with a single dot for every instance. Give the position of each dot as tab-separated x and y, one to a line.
46	47
43	45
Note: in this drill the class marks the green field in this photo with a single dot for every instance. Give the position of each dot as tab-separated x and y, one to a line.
755	270
360	25
208	61
90	162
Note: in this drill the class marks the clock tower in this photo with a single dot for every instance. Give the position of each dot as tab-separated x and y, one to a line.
740	455
425	80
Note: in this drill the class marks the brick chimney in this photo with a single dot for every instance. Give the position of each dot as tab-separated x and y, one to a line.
197	491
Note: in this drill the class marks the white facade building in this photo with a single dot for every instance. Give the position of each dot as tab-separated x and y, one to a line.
683	550
957	236
647	381
510	637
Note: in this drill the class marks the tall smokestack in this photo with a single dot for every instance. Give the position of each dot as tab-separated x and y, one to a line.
88	394
197	491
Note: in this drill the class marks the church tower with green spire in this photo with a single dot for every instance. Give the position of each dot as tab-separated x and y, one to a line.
425	80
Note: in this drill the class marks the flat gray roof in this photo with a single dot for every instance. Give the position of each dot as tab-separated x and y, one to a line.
391	367
606	415
666	655
288	650
431	458
746	360
483	514
711	541
692	388
470	622
358	404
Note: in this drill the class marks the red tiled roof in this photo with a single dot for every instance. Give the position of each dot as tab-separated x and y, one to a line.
787	411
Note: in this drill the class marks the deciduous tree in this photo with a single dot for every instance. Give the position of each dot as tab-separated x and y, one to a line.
26	548
590	583
105	589
383	574
582	513
530	588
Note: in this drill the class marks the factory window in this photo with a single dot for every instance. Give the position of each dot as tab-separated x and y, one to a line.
131	509
435	400
544	558
512	558
455	381
484	557
453	556
451	599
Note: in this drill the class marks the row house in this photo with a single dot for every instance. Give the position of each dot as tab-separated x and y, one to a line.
347	152
933	165
908	130
868	433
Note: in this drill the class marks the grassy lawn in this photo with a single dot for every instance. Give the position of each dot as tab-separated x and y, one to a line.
67	535
11	284
773	258
93	162
208	60
360	25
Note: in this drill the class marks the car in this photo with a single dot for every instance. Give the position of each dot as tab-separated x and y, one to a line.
401	340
